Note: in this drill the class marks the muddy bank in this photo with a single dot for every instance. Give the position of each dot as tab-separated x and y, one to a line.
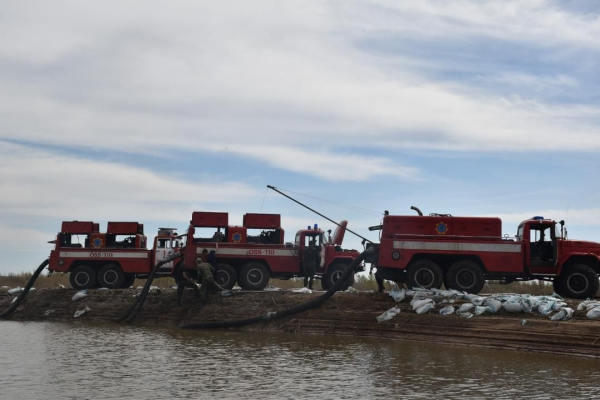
344	314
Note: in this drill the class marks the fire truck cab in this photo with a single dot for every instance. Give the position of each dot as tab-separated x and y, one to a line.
255	251
463	252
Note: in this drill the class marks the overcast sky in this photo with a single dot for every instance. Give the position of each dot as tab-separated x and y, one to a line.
149	110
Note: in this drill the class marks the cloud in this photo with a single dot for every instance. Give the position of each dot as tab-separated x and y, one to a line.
323	164
278	78
41	183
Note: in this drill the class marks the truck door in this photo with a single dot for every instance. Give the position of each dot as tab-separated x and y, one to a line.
162	250
543	250
306	239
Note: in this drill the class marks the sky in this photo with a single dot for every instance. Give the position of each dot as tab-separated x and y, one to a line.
149	110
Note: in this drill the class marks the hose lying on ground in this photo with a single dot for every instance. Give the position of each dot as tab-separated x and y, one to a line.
139	302
23	294
289	311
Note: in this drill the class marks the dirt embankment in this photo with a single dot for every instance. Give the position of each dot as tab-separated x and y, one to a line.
344	314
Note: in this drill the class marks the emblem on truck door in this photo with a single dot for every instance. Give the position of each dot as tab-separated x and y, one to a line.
441	228
97	242
237	237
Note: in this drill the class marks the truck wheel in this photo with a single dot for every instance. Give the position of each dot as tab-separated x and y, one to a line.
254	276
111	276
579	282
466	276
83	277
129	280
424	274
334	273
226	276
557	286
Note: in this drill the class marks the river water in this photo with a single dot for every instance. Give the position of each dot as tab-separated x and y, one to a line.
103	361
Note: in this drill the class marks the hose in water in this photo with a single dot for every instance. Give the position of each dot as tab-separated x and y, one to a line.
289	311
137	306
23	294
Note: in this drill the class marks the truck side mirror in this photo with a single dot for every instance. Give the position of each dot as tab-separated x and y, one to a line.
562	229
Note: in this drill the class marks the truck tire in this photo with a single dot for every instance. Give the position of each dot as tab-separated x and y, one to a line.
424	274
579	281
129	280
83	277
254	276
226	276
556	285
333	274
466	276
111	276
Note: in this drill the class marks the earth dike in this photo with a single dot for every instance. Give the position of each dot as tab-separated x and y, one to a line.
345	314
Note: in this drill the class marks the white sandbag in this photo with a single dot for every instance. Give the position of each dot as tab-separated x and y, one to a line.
389	314
80	295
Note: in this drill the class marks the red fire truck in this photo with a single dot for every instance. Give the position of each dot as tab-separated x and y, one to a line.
112	259
255	252
464	252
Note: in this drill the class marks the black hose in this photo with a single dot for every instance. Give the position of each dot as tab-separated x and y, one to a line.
289	311
23	294
139	303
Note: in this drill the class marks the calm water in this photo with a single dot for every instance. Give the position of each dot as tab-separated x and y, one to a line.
83	361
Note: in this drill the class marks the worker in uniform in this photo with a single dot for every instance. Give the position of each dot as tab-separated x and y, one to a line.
211	258
310	259
205	275
378	278
184	278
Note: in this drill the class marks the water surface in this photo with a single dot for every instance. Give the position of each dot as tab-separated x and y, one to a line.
105	361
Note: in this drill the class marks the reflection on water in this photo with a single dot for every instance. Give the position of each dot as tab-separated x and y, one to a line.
84	361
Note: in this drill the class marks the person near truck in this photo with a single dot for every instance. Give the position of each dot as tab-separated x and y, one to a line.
211	258
310	259
184	278
205	275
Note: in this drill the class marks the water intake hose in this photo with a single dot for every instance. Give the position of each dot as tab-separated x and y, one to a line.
270	316
23	294
139	303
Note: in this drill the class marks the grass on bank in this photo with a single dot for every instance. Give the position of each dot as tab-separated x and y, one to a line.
361	282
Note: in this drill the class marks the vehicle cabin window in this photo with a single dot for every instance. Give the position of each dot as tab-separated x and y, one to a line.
312	238
520	232
540	233
164	243
297	239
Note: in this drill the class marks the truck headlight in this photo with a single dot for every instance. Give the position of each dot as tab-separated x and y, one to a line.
396	255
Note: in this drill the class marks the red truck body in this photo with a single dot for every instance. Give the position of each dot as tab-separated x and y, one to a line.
115	258
112	259
464	252
251	258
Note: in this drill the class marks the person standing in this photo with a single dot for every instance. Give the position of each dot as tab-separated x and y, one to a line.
183	278
205	275
310	257
211	258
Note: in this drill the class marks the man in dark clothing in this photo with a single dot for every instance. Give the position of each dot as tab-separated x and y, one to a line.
212	260
183	279
310	258
378	279
205	274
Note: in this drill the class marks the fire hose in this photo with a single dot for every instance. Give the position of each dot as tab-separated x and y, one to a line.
139	303
270	316
23	294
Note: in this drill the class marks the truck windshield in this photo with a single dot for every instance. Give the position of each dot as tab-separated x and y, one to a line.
520	233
